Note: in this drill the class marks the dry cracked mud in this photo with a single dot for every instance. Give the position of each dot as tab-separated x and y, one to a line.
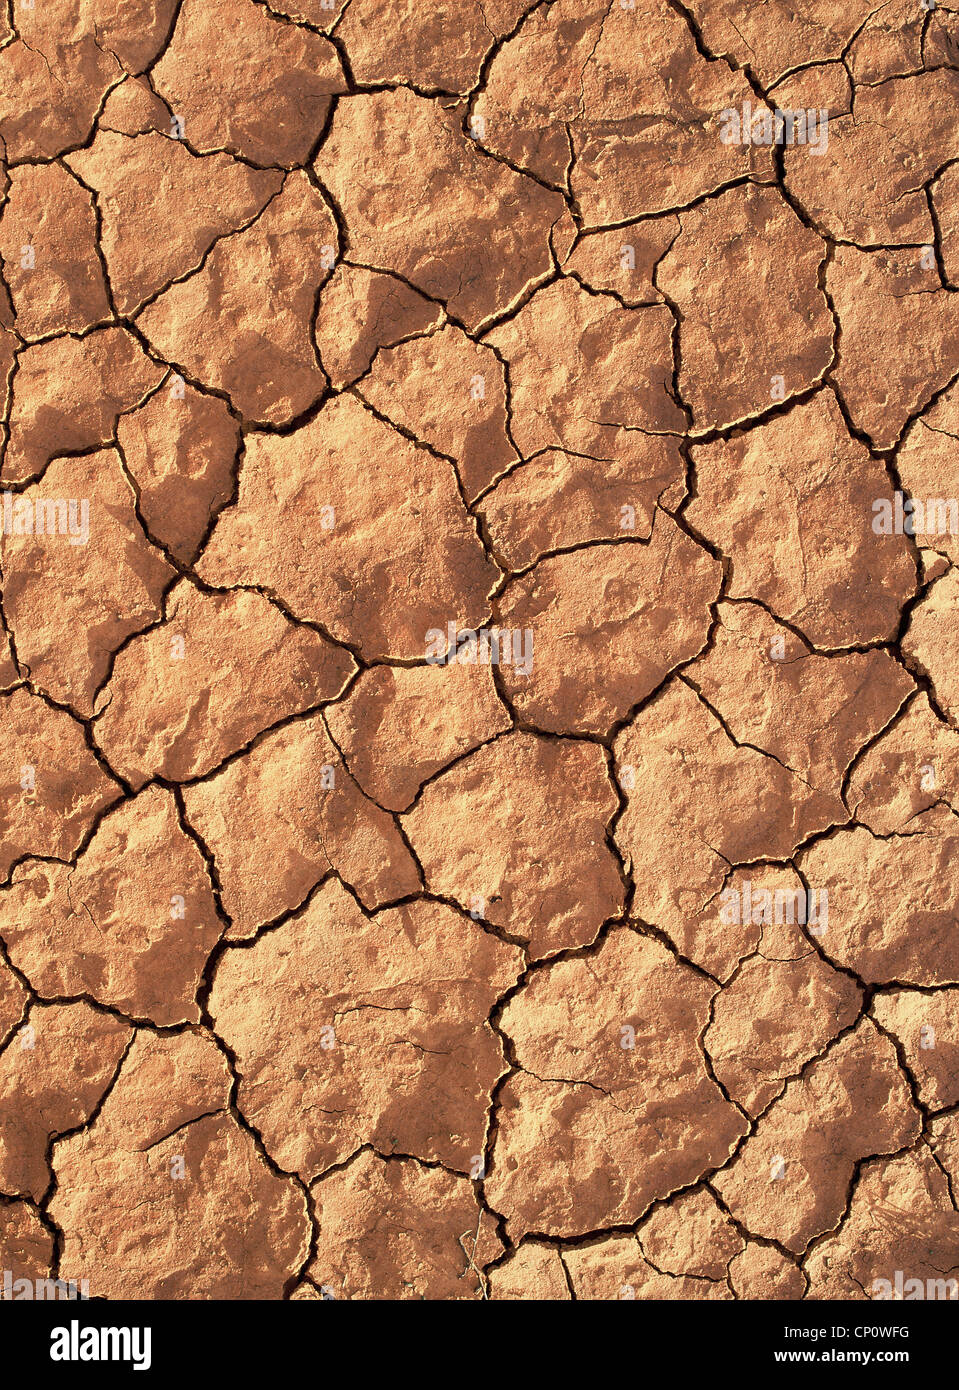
479	649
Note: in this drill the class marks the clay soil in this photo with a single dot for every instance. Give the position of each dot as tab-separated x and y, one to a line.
479	662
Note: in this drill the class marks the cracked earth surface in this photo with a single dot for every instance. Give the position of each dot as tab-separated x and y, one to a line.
343	955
